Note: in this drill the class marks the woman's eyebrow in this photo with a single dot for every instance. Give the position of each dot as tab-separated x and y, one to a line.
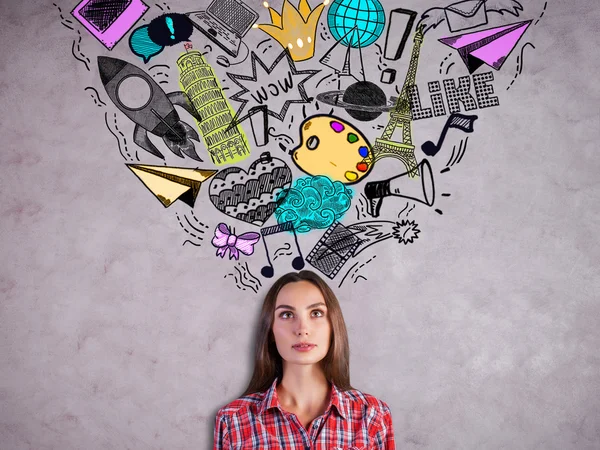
314	305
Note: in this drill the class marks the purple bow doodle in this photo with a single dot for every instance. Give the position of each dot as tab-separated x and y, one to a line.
225	239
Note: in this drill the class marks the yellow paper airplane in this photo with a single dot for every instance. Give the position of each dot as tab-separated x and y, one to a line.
172	183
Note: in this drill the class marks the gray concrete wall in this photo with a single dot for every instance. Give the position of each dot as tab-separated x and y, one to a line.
482	333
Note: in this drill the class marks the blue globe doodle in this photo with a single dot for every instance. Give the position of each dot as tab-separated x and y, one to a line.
368	16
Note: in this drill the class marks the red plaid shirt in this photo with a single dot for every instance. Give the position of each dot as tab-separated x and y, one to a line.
352	421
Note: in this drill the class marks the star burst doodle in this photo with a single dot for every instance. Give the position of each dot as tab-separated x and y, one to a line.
406	231
275	91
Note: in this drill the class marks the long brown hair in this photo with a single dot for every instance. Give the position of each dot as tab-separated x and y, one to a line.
268	363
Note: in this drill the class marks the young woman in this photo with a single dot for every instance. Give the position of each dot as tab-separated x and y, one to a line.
300	391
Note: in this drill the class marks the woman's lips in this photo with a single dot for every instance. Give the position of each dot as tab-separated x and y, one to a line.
304	348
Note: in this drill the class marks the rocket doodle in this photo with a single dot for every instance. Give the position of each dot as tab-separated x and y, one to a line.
158	116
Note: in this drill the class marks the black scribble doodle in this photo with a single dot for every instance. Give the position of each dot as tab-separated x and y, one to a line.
519	64
198	222
85	59
161	8
223	61
360	212
317	105
439	211
397	90
246	278
403	209
237	282
331	111
188	241
264	41
413	207
360	276
193	227
448	68
451	156
63	20
462	148
542	14
210	49
116	137
354	274
321	80
443	61
97	100
445	194
434	16
186	230
352	267
137	157
282	251
254	280
379	53
122	136
237	269
156	66
447	169
287	140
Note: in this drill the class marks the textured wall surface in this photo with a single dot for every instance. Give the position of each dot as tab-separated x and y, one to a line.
482	333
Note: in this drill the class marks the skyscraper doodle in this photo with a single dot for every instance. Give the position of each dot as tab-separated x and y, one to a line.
199	82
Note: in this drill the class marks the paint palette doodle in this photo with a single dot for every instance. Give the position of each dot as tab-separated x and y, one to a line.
250	196
332	147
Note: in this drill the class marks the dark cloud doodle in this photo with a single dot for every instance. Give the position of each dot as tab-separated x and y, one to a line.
314	202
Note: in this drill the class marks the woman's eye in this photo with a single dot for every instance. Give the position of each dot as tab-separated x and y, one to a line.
289	312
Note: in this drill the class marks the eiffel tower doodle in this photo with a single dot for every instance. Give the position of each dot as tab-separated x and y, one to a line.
400	116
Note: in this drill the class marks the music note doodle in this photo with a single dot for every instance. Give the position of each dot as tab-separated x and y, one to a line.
298	262
460	121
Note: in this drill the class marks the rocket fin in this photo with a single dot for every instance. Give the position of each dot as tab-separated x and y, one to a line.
180	98
186	146
140	137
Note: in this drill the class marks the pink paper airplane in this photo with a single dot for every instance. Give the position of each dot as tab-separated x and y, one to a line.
491	46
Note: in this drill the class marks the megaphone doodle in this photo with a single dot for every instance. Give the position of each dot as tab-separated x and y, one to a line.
402	186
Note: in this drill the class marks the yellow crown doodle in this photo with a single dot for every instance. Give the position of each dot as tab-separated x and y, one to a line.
294	28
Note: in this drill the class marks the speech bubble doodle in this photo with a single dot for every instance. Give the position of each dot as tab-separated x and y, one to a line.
141	44
170	29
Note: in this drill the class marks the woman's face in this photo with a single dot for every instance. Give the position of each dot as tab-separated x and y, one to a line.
301	316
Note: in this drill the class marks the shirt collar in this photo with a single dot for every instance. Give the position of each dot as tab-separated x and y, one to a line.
271	400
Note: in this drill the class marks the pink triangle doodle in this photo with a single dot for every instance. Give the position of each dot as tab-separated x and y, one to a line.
491	46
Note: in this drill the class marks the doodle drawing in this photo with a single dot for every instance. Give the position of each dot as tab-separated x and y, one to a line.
459	121
362	100
490	47
166	30
109	21
400	117
276	87
367	15
225	240
297	263
402	186
313	202
332	251
294	29
172	183
225	22
332	147
250	196
395	40
154	112
197	79
467	14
